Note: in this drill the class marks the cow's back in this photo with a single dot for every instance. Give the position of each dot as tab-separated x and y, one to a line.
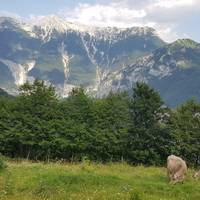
176	168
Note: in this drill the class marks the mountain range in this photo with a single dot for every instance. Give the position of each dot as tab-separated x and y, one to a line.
100	59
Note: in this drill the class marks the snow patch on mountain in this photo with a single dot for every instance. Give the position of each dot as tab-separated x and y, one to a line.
19	71
66	60
45	26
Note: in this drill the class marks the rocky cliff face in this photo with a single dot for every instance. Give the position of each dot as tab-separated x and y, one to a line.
66	54
174	70
100	59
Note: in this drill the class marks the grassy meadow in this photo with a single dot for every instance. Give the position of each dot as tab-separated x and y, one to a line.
86	181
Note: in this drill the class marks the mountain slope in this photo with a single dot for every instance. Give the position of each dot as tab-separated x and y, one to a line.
100	59
66	54
4	93
174	70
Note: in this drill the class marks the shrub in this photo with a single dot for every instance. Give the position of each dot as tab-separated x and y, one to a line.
2	164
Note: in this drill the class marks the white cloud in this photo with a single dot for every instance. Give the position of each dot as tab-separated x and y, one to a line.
173	3
166	16
9	14
167	33
105	15
171	18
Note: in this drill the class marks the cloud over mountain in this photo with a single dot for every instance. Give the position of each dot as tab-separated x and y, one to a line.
163	15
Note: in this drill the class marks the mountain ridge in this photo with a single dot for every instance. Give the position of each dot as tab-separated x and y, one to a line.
65	57
100	59
166	68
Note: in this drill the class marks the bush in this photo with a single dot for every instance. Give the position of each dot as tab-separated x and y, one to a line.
2	164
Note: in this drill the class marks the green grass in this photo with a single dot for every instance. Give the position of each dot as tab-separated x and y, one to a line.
38	181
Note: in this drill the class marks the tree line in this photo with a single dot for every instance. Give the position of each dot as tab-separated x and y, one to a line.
137	127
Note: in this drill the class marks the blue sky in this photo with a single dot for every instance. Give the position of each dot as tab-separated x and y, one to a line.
171	18
39	7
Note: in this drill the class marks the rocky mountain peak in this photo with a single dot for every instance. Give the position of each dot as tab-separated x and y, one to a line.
99	58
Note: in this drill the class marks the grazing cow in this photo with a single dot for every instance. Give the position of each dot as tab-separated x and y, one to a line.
176	169
197	175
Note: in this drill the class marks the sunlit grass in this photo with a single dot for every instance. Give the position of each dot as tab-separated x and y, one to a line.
53	181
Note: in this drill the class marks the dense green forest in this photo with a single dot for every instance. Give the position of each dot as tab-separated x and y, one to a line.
137	128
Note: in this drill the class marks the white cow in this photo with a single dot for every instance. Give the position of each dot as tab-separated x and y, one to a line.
176	169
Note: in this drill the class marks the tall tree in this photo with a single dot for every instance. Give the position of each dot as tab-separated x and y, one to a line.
112	121
35	109
186	126
148	134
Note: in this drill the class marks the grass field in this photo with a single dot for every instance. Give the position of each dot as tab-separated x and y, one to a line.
84	181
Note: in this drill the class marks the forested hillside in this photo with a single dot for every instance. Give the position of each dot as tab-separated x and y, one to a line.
137	128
